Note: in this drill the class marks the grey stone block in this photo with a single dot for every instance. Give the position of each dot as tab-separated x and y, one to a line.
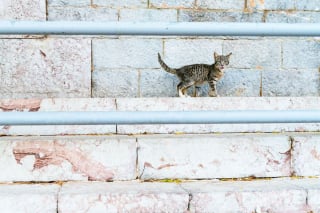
292	17
181	52
122	3
301	54
271	5
82	14
115	83
172	4
308	5
34	10
69	2
45	68
218	4
126	53
217	16
143	15
290	83
158	83
254	54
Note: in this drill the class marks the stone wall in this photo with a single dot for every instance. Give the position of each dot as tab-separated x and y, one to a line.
126	66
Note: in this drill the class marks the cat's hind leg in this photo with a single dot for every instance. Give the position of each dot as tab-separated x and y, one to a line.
183	87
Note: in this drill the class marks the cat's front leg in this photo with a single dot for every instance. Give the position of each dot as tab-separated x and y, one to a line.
213	89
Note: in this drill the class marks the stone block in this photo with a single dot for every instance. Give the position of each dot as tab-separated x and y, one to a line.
45	105
115	83
313	199
45	68
258	54
221	5
122	3
179	4
67	158
158	83
301	54
82	14
270	5
181	52
214	156
34	10
126	53
240	83
290	83
144	15
63	3
305	155
220	103
308	5
292	17
122	197
219	16
247	196
35	198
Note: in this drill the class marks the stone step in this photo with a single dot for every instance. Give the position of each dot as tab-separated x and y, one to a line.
150	157
278	195
159	104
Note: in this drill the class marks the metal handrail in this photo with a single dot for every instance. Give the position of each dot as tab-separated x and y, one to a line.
159	28
160	117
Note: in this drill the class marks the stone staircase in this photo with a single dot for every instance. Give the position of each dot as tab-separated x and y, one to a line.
160	168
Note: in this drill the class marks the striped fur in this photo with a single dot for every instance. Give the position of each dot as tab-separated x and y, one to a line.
197	74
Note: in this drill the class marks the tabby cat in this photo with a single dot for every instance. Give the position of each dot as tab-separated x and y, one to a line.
197	74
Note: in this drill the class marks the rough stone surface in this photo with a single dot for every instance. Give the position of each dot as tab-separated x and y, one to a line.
221	103
313	199
158	83
258	54
207	157
67	158
122	197
115	83
290	83
69	2
135	53
122	3
29	198
219	16
252	196
181	52
82	14
45	68
301	54
172	4
306	157
270	5
144	15
23	10
308	5
57	105
292	17
217	4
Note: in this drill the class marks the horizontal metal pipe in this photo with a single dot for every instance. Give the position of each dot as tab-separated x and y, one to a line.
159	28
159	117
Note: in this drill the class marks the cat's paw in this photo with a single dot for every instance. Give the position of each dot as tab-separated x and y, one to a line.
213	94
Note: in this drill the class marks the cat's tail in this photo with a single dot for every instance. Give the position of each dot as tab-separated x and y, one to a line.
166	67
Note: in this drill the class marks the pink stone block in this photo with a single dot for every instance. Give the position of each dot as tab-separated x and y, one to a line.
221	103
45	105
122	197
306	155
213	156
23	10
278	196
67	158
29	198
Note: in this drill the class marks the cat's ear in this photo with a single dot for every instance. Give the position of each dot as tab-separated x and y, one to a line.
229	55
215	55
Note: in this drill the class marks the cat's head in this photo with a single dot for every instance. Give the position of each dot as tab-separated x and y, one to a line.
221	61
